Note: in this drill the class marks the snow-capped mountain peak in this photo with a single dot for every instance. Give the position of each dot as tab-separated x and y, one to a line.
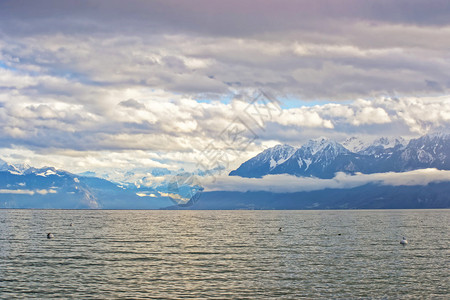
281	148
355	144
315	146
392	142
323	157
22	167
17	169
267	160
364	146
277	154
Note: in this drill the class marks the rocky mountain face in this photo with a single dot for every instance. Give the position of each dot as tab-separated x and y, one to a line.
323	158
266	161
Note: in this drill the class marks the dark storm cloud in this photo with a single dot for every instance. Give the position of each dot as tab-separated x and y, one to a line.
353	48
231	18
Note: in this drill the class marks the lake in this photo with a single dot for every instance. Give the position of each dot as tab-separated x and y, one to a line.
224	254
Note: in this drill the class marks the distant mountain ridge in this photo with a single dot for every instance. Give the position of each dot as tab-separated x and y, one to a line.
22	186
369	196
323	158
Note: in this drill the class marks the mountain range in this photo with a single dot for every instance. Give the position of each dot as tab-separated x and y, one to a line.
23	186
323	158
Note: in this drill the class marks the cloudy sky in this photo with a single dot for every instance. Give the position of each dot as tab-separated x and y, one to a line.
103	85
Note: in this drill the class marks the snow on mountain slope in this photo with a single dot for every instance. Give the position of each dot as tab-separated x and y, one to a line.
389	142
315	146
17	169
279	154
431	150
323	157
265	161
312	159
323	146
369	147
381	145
355	144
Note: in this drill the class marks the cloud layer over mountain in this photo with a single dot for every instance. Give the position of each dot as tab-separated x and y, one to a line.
290	184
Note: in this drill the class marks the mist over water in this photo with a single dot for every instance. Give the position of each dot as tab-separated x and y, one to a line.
224	254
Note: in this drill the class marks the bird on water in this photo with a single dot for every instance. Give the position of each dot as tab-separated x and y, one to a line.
50	235
404	241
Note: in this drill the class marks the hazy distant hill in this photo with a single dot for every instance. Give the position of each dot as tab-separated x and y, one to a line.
29	187
369	196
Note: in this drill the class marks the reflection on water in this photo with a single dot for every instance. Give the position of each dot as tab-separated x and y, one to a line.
224	254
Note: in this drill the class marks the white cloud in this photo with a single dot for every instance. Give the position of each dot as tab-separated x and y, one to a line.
146	194
28	192
370	115
303	117
177	131
291	184
10	79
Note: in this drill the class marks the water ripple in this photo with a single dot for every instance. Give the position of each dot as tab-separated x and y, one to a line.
224	254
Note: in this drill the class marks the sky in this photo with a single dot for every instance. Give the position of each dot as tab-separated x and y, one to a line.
108	86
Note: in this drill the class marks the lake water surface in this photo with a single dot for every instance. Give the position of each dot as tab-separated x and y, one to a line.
224	254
